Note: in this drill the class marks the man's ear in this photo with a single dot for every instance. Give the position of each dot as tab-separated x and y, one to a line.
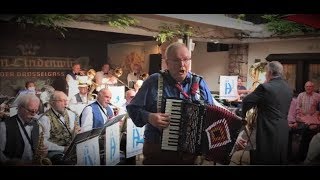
166	62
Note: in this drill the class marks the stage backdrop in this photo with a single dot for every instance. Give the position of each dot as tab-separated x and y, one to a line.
16	70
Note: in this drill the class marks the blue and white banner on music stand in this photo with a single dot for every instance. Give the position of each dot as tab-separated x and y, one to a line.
134	139
88	152
112	148
117	95
228	87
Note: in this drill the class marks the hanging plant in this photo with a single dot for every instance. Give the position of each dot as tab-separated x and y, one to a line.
120	20
55	21
279	26
47	20
169	32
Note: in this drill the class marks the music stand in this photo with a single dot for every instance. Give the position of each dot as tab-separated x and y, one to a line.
81	137
71	151
112	121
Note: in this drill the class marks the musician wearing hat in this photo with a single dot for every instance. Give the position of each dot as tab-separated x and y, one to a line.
82	96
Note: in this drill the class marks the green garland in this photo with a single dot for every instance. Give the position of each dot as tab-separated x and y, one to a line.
168	32
55	21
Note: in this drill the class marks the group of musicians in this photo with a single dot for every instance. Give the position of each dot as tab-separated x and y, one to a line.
149	108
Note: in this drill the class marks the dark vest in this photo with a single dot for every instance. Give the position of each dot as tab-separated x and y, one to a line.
14	142
78	98
72	75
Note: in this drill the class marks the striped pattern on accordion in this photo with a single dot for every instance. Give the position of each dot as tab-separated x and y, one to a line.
221	129
201	130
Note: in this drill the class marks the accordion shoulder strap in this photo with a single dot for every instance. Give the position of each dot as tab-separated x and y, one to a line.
160	93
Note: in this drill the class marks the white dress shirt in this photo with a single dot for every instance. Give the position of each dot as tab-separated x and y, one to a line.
72	85
45	121
104	81
131	77
87	117
27	154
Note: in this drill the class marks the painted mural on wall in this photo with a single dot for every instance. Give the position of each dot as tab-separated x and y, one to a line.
131	61
16	70
257	73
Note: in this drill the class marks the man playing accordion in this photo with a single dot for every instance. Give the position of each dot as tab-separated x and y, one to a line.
147	108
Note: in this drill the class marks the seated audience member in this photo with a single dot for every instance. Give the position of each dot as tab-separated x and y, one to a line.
307	105
95	115
242	92
19	134
60	127
307	117
82	96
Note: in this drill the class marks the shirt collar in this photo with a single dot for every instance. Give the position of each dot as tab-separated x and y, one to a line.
187	80
101	105
56	112
24	123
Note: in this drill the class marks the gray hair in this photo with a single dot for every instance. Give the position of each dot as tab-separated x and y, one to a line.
102	90
171	49
275	68
56	94
130	90
26	98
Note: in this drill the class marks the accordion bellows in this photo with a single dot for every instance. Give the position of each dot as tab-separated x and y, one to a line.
201	129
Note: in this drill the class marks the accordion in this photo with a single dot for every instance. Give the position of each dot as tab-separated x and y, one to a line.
201	130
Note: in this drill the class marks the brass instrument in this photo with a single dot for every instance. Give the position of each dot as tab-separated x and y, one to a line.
118	73
143	76
91	73
251	117
251	120
38	158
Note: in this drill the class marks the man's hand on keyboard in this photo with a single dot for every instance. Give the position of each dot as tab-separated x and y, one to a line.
159	120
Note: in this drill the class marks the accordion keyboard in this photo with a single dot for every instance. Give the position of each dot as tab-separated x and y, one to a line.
170	135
